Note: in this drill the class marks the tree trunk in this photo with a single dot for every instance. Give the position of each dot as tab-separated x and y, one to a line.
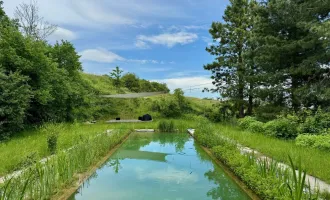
250	107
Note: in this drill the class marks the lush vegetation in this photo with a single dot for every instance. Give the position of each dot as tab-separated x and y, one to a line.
40	82
42	180
265	177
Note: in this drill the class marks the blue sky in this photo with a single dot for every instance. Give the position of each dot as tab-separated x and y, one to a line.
161	40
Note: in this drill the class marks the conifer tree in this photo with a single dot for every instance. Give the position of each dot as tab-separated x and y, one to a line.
230	67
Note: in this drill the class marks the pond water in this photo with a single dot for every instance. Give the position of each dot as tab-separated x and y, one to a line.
150	166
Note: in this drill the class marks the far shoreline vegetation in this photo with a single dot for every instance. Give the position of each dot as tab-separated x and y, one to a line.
271	67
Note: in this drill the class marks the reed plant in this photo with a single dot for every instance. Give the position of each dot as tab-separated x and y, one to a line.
42	180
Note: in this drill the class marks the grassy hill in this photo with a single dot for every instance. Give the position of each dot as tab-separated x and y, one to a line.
135	107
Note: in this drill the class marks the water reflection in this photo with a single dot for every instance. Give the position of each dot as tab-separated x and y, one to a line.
159	166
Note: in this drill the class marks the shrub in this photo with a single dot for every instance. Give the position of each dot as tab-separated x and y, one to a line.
256	127
315	141
52	132
245	122
317	123
167	107
281	128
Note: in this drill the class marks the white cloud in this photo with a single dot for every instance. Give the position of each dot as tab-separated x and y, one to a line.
100	55
63	34
141	44
102	13
169	39
187	82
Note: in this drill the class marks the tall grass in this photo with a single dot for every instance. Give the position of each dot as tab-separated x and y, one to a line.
42	180
166	126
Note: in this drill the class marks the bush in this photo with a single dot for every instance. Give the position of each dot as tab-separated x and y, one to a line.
315	141
245	122
167	107
256	127
52	132
281	128
315	124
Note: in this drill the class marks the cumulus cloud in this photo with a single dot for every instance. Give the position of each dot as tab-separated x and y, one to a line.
62	34
169	39
187	82
100	55
141	44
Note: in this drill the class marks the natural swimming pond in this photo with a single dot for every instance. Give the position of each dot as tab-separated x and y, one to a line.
151	166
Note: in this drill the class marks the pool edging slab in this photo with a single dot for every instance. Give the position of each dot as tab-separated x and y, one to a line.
65	193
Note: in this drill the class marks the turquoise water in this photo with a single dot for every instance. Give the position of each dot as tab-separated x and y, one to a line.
150	166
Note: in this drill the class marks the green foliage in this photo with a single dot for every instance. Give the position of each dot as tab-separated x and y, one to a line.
263	176
289	48
221	112
116	75
230	37
172	106
131	81
181	100
281	128
14	101
267	112
245	122
321	142
167	107
166	126
59	170
315	124
256	127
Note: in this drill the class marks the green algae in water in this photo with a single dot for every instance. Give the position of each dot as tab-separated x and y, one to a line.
151	166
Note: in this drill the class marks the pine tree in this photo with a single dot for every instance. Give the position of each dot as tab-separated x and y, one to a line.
291	51
230	68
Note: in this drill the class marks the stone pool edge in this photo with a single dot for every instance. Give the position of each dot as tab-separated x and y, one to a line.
65	193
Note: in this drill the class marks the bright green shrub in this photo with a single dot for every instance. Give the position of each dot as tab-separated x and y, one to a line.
317	123
256	127
281	128
315	141
245	122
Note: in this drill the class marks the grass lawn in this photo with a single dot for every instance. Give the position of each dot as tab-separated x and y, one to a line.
316	162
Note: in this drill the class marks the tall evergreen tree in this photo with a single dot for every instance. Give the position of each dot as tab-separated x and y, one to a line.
293	50
229	69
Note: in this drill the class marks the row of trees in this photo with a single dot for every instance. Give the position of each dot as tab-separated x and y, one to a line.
38	82
134	83
272	53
